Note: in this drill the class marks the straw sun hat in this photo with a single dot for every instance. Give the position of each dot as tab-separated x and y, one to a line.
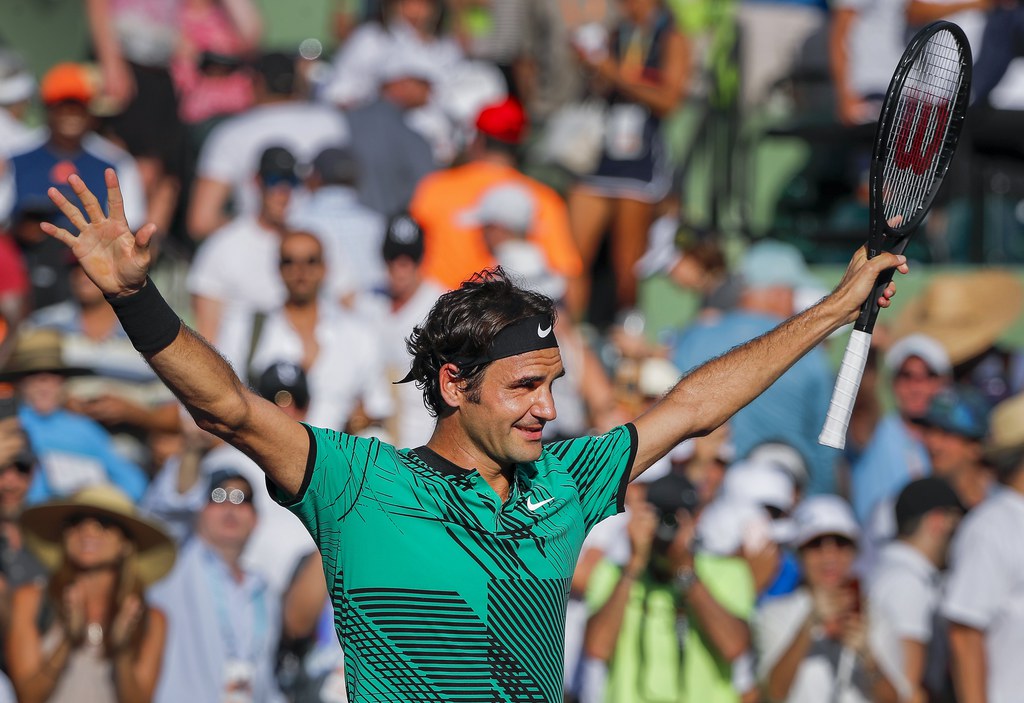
44	524
966	313
38	351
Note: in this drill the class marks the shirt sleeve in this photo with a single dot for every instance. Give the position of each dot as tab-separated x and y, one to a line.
978	584
600	466
336	469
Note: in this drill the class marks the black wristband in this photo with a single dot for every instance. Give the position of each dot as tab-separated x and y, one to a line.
147	319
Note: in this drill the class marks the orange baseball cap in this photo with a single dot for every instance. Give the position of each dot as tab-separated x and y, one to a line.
67	81
506	121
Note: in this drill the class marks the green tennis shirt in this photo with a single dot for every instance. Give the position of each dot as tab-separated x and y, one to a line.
440	591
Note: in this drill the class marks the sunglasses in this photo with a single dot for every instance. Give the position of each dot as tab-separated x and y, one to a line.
105	521
309	261
835	540
236	496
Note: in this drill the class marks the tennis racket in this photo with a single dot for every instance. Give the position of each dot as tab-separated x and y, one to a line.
918	129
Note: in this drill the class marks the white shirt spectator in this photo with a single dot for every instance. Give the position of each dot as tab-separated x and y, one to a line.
351	234
238	265
231	154
356	78
906	590
777	624
347	370
876	42
414	424
16	136
986	588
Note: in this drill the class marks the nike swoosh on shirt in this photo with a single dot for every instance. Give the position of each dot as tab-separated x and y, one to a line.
533	506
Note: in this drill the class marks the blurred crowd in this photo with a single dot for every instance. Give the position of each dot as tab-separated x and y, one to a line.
311	209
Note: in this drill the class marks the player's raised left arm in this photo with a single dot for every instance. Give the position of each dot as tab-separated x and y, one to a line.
710	394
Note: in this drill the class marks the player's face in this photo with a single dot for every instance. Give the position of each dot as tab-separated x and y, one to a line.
515	403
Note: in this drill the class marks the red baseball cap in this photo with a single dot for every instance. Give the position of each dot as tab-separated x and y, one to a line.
67	81
505	121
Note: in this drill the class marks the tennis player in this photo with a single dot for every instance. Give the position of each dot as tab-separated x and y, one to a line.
448	564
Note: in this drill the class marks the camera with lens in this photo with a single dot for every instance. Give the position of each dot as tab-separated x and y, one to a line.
670	494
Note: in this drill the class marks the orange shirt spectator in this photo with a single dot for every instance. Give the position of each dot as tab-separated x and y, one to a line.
443	203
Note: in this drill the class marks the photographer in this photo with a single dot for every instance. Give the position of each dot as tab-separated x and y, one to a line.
665	601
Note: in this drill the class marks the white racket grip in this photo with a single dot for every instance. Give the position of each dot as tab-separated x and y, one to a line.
833	434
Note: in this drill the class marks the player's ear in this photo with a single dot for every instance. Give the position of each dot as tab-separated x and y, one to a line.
453	388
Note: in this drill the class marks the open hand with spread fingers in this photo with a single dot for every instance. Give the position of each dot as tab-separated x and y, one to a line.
116	260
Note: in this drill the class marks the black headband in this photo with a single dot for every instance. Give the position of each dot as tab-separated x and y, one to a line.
526	335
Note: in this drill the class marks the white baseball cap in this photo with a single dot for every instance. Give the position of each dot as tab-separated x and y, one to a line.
510	205
527	263
16	82
727	524
786	457
926	348
404	61
824	515
761	483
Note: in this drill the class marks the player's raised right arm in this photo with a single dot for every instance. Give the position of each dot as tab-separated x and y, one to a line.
117	261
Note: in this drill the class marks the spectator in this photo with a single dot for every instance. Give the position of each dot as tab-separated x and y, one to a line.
134	42
814	643
705	460
402	26
74	452
217	39
905	587
955	427
231	154
237	268
180	491
774	33
986	625
694	262
793	407
123	394
18	565
17	86
45	265
89	634
956	422
69	146
222	644
452	251
404	304
896	454
643	71
340	356
351	233
866	40
315	663
393	157
634	626
973	341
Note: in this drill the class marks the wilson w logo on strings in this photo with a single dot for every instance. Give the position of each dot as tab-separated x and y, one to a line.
920	135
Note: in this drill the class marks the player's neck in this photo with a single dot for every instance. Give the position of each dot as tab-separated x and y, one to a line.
454	446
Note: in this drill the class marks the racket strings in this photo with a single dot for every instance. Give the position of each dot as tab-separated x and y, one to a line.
915	148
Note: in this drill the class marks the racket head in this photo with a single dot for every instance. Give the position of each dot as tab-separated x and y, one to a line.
918	130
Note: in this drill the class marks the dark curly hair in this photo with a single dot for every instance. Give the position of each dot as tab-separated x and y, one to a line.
462	325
